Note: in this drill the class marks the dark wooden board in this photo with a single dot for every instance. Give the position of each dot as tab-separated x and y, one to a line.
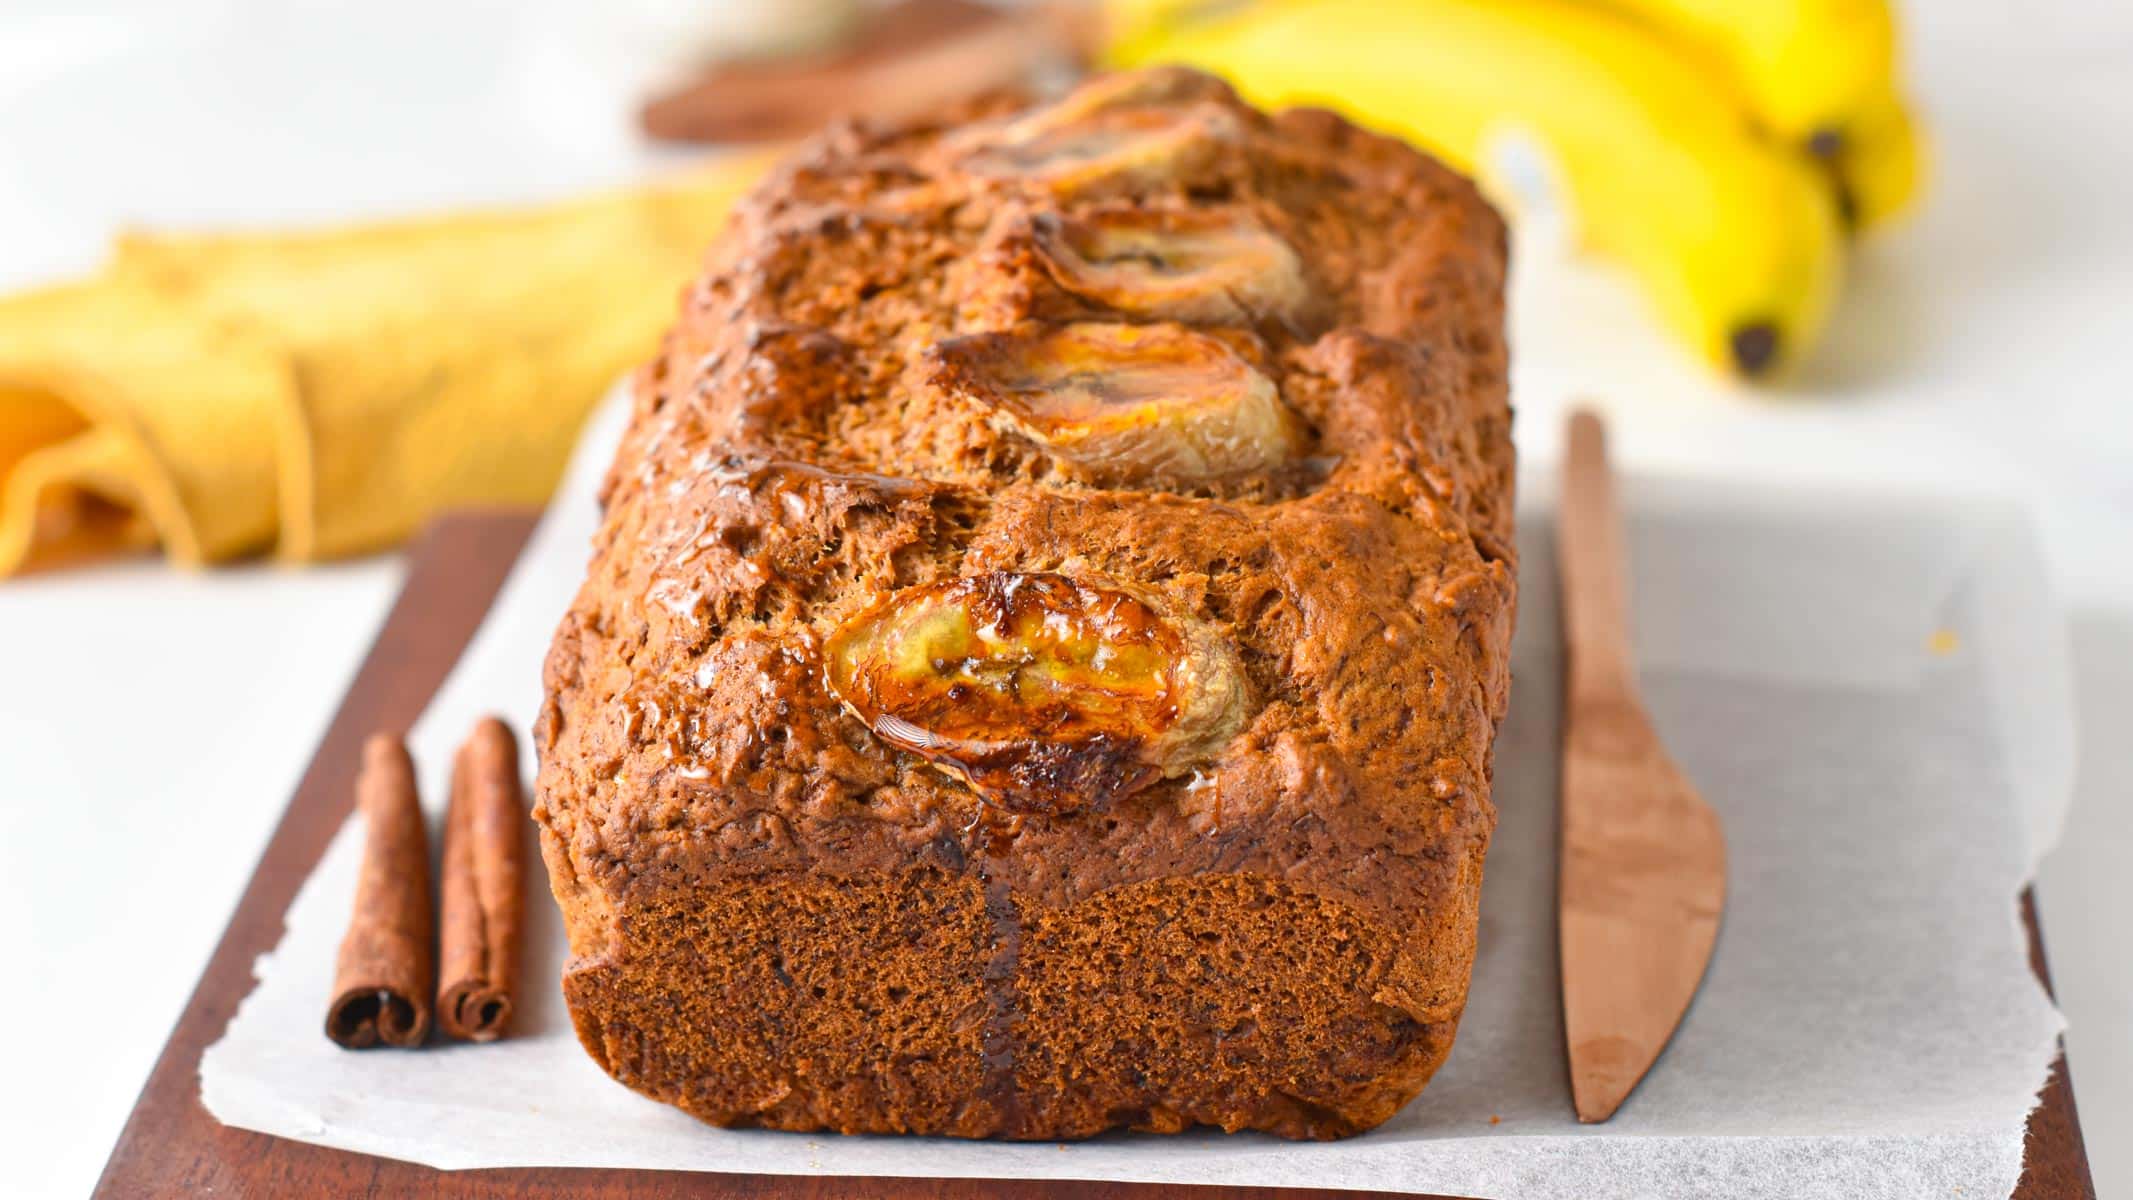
172	1147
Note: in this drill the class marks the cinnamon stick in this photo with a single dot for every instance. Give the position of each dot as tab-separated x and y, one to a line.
907	59
382	980
484	863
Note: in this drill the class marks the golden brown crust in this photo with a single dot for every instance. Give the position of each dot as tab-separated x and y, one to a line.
780	917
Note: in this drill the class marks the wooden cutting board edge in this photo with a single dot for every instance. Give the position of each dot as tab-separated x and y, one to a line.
171	1145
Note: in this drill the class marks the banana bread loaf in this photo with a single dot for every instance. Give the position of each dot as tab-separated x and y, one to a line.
1038	669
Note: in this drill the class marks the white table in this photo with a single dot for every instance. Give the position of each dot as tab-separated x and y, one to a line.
152	724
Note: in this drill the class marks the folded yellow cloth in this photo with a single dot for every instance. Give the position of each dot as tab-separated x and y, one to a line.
322	393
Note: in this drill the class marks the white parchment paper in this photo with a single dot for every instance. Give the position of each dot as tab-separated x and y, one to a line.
1870	689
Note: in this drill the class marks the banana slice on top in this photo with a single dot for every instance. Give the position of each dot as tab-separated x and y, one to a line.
1124	148
1148	87
1125	404
1043	692
1163	124
1202	264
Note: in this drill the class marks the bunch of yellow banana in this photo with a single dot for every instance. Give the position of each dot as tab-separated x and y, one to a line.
1722	150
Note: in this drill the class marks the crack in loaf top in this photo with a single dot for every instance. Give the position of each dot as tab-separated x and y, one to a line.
1237	376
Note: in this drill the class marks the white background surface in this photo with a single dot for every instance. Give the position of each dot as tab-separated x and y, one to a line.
152	724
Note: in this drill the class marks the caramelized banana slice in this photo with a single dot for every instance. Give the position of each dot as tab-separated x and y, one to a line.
1150	87
1190	264
1127	147
1044	693
1121	404
1137	127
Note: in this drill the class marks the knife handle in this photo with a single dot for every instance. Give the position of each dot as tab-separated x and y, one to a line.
1589	550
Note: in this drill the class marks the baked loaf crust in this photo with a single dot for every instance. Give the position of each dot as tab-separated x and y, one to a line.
1038	669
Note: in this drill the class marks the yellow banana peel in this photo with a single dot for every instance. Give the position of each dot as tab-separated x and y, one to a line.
1820	75
1881	165
1804	66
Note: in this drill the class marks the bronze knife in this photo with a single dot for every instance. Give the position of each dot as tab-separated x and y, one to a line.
1643	882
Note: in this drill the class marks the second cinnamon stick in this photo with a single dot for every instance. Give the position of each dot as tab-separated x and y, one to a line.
484	865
